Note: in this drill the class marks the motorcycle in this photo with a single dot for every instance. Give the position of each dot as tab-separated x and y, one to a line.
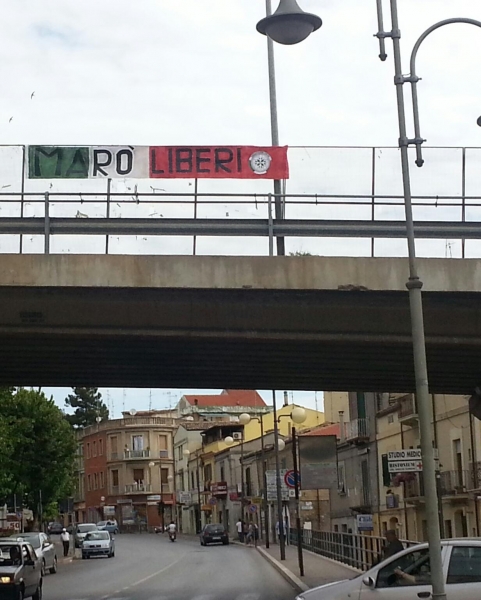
158	530
172	536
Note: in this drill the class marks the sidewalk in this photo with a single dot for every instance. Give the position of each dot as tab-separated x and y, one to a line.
318	570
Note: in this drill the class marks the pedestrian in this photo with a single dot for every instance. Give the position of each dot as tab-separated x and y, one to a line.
256	534
393	546
240	530
278	532
250	534
65	537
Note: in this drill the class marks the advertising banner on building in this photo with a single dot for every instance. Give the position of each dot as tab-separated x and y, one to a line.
157	162
318	461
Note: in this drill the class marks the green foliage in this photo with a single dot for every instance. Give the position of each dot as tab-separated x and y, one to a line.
38	448
299	253
88	405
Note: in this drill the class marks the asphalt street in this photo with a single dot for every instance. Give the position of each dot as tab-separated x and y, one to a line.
150	567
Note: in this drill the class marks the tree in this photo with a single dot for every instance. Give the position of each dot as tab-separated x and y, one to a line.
88	406
300	253
41	448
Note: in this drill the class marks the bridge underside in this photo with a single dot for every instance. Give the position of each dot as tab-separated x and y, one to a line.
235	338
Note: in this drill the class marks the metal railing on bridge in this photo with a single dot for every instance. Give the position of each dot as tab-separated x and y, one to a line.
318	202
353	549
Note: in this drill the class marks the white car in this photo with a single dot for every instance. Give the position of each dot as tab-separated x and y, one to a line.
98	543
407	576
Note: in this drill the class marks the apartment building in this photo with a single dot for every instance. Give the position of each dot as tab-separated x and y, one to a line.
457	440
128	470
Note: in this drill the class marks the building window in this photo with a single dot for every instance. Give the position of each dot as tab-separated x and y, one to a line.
94	449
113	444
208	473
137	442
89	483
138	475
96	481
115	478
283	463
222	472
341	478
181	480
164	476
192	479
163	442
88	449
101	447
102	480
180	452
248	482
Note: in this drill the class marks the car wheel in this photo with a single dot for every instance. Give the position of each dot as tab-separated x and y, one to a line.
43	569
53	568
38	593
20	595
226	543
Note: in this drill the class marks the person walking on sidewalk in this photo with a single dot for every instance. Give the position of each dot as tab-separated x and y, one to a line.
240	530
65	537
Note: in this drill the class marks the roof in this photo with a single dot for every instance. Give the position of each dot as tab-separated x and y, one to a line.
332	429
203	425
247	398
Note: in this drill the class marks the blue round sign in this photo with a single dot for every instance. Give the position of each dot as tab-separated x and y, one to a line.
290	479
253	508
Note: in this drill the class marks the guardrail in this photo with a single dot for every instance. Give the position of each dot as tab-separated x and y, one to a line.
356	550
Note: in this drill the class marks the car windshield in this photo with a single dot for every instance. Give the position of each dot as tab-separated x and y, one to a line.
34	540
214	528
98	535
86	528
101	523
10	555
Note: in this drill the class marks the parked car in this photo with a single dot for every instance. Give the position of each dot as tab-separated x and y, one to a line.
44	549
81	531
20	571
98	543
110	526
215	533
54	528
407	575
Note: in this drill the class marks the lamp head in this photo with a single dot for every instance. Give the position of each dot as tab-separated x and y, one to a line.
186	452
170	478
151	464
298	415
244	419
289	24
229	440
281	444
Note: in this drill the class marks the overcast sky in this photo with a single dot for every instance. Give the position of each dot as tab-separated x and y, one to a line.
195	72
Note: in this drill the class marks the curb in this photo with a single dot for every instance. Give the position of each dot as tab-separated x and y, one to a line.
284	571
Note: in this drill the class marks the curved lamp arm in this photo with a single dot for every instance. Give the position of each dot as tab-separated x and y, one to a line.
413	79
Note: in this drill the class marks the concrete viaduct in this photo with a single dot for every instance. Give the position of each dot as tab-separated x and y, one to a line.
307	323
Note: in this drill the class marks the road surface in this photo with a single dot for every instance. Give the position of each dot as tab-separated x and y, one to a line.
150	567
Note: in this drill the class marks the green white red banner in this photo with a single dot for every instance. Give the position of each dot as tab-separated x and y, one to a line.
157	162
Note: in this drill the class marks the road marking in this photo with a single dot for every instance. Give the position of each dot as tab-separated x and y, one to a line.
143	580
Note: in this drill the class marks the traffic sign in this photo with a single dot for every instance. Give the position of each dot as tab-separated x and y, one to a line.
290	479
407	461
272	485
253	509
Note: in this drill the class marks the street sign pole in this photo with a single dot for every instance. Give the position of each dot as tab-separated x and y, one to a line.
300	557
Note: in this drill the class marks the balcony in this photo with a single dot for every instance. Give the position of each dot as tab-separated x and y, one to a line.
136	454
408	414
114	456
357	431
414	489
138	488
163	454
456	483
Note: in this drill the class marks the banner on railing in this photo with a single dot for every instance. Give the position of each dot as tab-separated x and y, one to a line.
157	162
318	461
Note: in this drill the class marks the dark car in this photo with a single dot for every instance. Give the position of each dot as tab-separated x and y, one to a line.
55	528
20	571
214	534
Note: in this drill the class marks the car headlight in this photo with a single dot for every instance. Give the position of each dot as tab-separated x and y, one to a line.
6	579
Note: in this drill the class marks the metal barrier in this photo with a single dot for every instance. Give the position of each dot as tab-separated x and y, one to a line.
353	549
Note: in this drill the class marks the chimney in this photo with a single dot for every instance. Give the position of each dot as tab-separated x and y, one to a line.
286	399
342	434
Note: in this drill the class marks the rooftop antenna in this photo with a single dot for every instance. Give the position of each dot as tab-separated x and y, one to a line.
123	402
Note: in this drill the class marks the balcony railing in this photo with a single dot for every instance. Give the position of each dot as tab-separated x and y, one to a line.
356	430
138	488
414	488
114	456
163	454
456	482
408	413
136	454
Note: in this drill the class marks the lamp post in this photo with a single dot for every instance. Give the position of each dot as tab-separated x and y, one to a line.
245	419
298	416
229	441
414	283
292	24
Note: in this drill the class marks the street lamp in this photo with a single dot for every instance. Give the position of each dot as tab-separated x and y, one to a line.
298	416
289	24
245	419
414	283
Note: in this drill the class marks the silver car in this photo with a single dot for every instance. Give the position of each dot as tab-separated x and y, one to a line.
98	543
81	531
44	549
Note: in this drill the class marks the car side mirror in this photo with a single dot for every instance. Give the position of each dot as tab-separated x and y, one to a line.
368	581
29	562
